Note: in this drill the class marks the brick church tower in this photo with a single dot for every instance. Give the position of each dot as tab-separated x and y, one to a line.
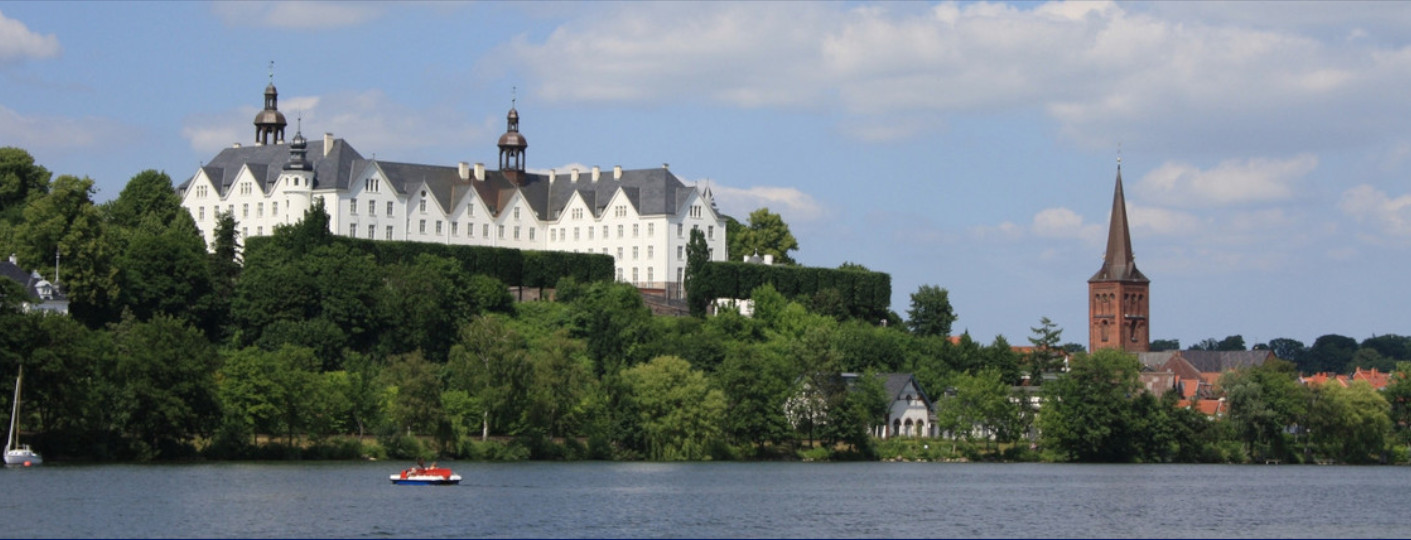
1118	306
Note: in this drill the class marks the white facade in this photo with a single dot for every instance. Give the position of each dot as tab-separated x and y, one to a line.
642	218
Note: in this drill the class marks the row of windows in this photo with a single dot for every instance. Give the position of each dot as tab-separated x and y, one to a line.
371	231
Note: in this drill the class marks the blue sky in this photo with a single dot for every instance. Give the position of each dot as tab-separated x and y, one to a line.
971	146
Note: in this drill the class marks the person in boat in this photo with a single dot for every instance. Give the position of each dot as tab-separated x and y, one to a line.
421	464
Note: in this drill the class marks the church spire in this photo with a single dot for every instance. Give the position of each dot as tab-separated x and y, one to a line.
1118	263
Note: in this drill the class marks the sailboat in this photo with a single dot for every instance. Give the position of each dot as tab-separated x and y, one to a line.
16	453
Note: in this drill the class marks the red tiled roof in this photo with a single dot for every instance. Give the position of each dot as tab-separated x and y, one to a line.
1377	379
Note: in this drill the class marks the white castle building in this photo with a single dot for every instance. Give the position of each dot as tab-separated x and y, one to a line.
642	217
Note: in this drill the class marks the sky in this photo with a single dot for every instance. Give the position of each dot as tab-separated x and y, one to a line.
1265	147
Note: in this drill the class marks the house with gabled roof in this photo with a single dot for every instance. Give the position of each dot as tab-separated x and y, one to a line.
641	217
41	295
1195	375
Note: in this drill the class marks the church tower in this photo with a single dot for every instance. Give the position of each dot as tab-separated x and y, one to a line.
512	146
269	123
1118	306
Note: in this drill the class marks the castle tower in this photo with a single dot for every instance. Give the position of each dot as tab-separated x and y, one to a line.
297	179
269	123
1118	306
512	146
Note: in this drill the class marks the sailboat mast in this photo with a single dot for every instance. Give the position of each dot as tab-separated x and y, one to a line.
15	415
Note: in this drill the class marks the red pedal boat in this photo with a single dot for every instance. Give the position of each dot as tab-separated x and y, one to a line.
426	476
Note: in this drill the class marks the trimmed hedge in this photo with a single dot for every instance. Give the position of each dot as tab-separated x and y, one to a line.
868	295
512	267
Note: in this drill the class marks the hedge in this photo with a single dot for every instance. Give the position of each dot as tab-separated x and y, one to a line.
867	295
512	267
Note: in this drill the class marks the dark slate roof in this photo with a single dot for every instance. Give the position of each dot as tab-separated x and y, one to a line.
28	280
649	191
1118	263
1208	361
265	163
895	385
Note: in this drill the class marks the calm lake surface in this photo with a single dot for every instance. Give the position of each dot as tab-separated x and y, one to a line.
697	500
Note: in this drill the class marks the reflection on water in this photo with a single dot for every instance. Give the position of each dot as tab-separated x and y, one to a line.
707	500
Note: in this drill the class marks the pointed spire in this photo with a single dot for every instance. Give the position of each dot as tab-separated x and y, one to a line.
1118	263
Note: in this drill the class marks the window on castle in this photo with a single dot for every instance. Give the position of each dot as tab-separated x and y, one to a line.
651	229
590	233
531	234
516	232
274	209
619	254
650	250
634	253
619	231
372	208
575	233
201	211
421	228
260	231
485	230
680	253
710	232
635	228
389	208
695	210
245	210
454	229
371	231
389	232
680	230
259	209
649	274
353	230
438	227
353	206
516	212
501	231
422	203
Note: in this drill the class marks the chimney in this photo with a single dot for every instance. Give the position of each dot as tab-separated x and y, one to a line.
768	259
480	171
465	170
616	172
573	175
553	175
596	173
14	260
666	166
327	143
237	145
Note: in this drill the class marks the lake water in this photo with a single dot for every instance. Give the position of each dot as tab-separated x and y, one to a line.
695	500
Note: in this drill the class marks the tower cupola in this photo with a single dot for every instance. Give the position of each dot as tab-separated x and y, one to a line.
270	123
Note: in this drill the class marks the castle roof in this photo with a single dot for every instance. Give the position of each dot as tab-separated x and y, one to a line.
1118	263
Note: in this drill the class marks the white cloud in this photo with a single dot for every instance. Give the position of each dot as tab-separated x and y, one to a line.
1231	182
790	203
57	132
18	43
1386	215
1065	223
1162	221
369	120
296	14
1106	72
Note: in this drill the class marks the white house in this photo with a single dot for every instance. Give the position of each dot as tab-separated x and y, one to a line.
41	294
641	217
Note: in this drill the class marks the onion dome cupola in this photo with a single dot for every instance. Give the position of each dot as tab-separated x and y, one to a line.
512	146
270	123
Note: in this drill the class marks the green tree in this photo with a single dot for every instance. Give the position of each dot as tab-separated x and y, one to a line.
734	234
1263	401
149	193
697	256
164	269
1329	353
20	181
1289	350
1391	346
1158	345
767	234
1046	353
1088	412
65	222
166	393
931	313
1350	424
979	406
756	383
489	362
680	414
414	393
223	264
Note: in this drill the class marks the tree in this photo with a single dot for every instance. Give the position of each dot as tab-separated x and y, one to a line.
1046	353
1289	350
1391	346
164	269
931	313
20	180
149	193
1088	412
164	380
734	235
489	362
979	406
697	256
1263	401
64	221
223	263
767	234
680	414
1329	353
1158	345
756	383
1349	424
414	393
